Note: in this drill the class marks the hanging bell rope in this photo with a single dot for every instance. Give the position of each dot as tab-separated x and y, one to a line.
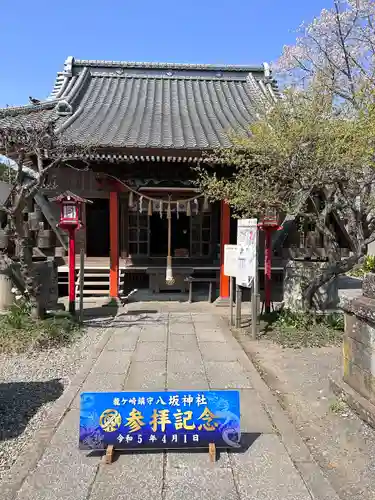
149	208
161	209
140	204
205	204
131	199
188	209
169	279
196	206
178	209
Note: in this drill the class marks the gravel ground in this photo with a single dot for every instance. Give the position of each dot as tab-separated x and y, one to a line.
31	383
342	444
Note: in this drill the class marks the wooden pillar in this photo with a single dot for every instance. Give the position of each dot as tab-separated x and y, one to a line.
224	240
114	244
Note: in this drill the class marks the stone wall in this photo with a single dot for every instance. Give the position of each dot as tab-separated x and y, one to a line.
359	346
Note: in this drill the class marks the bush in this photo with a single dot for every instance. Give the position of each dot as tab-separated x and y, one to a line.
297	330
19	332
368	266
57	331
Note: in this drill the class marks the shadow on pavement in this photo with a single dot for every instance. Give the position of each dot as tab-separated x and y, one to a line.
19	401
100	316
138	312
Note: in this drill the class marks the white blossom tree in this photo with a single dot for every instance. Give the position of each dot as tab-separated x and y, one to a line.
339	46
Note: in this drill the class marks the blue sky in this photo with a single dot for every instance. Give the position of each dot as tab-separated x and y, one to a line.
36	37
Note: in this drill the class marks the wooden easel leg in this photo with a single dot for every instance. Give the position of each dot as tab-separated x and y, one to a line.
212	452
108	457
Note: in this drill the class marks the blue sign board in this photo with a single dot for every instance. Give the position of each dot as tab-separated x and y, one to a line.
178	419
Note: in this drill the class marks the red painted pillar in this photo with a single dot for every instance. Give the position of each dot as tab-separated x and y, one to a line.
224	240
72	270
113	245
267	268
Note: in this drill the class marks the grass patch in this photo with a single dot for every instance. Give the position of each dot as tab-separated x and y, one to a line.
338	406
20	333
299	330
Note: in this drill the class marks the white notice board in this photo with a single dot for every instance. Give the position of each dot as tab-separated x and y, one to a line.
230	260
247	242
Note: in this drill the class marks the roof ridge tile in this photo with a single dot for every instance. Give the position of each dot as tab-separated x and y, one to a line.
168	65
105	74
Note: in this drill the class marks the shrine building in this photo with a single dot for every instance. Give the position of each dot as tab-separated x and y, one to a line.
148	125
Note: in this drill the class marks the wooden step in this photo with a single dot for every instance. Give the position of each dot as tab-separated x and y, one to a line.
99	282
94	292
96	275
91	283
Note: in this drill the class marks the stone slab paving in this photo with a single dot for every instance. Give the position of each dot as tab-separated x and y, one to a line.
161	350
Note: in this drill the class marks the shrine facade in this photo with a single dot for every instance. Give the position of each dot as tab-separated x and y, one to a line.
145	126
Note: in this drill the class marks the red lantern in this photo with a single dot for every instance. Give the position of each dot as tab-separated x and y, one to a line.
70	221
70	210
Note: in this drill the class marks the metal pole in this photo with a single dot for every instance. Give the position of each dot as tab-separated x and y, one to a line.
267	270
231	300
238	306
81	282
72	271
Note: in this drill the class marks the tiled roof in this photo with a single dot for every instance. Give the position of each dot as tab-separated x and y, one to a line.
150	105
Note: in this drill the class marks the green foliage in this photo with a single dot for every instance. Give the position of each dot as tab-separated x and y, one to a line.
57	331
308	157
18	315
291	319
368	266
338	406
6	173
19	332
296	330
334	321
299	145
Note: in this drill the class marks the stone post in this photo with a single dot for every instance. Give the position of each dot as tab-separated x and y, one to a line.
300	272
359	341
357	386
6	295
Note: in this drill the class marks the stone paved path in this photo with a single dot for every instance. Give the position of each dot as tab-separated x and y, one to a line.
153	350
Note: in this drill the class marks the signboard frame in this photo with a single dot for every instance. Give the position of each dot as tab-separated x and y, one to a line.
159	420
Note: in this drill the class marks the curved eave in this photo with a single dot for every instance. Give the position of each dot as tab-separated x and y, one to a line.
32	114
